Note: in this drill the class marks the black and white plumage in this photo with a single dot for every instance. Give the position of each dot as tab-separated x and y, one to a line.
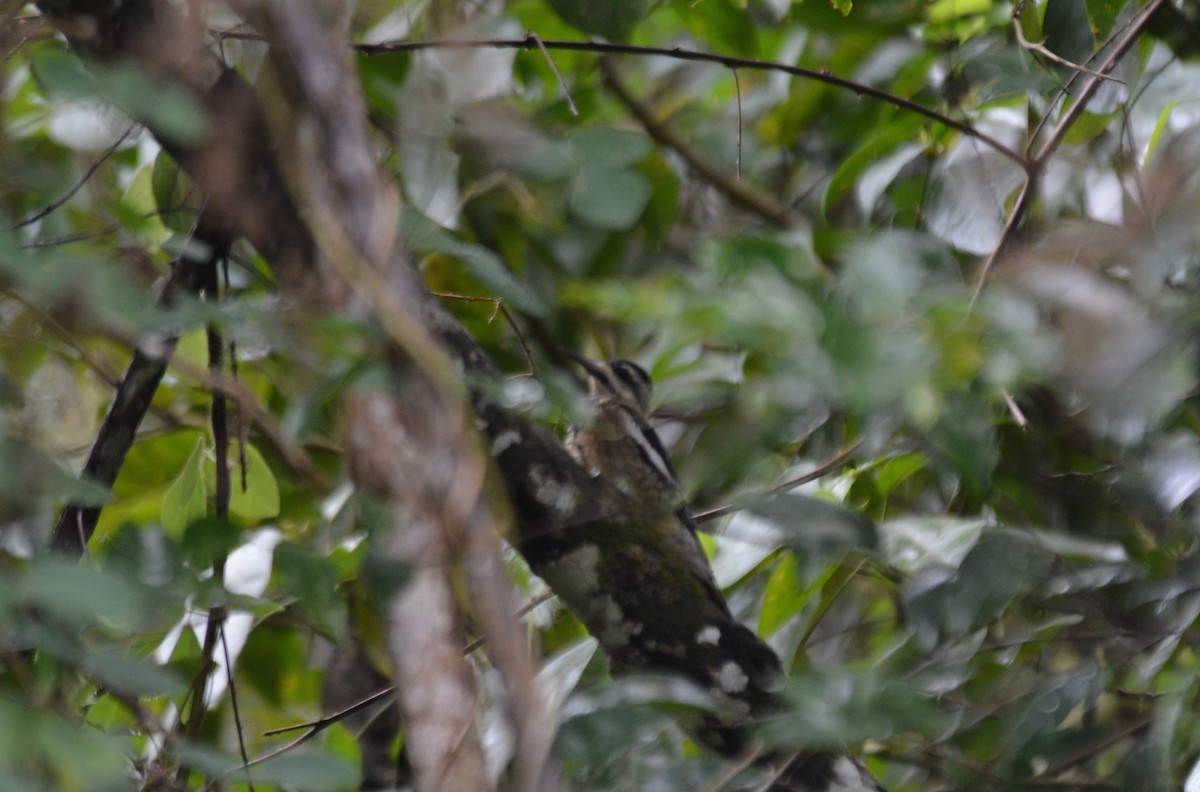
620	445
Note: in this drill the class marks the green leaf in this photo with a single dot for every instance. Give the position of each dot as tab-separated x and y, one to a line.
612	19
1068	30
121	672
206	539
305	772
785	595
185	499
81	594
312	580
427	237
260	498
170	191
141	209
610	149
891	473
609	200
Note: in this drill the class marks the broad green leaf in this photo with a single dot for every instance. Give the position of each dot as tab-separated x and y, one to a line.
259	500
610	200
1068	30
305	772
426	237
185	498
783	596
891	473
80	594
121	672
205	540
142	208
170	190
608	148
312	581
612	19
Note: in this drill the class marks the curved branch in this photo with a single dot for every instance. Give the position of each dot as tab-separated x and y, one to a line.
738	191
531	42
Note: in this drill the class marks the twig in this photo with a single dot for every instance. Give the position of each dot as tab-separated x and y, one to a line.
1014	409
557	75
508	317
525	610
824	468
50	207
1034	164
738	192
737	94
1040	48
1136	26
1087	753
678	53
237	716
1010	224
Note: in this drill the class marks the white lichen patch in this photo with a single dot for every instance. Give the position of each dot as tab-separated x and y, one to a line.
731	678
551	491
575	576
709	634
504	441
849	776
617	629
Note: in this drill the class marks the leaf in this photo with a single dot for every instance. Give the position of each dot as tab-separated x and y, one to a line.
970	189
311	580
835	707
612	19
911	543
170	193
609	200
560	674
260	499
785	595
207	539
426	237
894	471
805	523
121	672
305	772
81	594
1068	30
608	148
185	499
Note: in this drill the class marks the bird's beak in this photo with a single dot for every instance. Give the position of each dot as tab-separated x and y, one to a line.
588	365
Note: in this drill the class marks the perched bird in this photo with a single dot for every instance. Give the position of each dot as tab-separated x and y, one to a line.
619	445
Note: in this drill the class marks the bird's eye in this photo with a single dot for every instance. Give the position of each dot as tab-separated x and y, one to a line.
633	375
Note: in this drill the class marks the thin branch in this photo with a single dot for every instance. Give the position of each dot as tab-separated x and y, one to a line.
508	317
832	464
525	610
237	716
737	94
328	720
50	207
1040	49
1072	113
678	53
561	82
739	193
1015	215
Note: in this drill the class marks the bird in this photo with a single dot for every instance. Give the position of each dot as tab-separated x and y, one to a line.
619	445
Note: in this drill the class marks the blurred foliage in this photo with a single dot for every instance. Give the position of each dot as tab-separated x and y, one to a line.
996	588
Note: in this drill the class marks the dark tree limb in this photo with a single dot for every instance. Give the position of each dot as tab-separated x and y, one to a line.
129	406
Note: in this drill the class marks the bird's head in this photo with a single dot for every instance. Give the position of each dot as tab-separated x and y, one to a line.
622	381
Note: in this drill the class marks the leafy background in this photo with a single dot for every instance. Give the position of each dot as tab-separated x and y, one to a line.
802	271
